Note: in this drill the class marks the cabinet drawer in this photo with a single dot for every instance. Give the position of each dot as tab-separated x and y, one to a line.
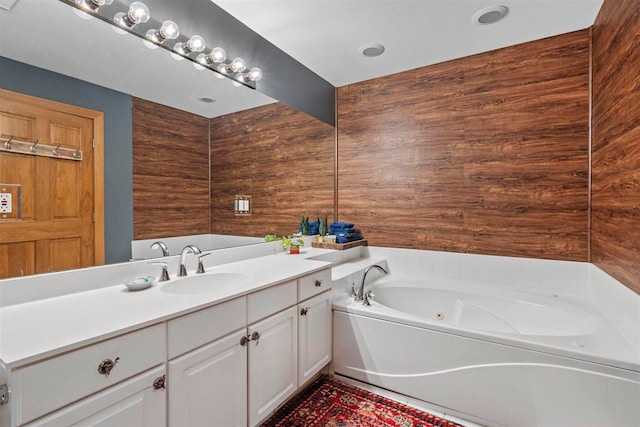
314	284
53	383
135	402
271	300
204	326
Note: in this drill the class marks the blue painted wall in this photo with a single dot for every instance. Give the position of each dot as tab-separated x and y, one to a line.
118	145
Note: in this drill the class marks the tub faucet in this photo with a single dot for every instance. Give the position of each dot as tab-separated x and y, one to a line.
182	270
161	246
361	295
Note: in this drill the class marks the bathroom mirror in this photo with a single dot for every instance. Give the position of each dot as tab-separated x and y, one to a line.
50	35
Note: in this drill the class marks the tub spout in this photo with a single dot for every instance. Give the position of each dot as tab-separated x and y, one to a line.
361	295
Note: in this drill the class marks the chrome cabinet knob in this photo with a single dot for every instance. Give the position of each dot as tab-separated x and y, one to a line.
318	283
107	365
160	383
256	337
304	311
5	394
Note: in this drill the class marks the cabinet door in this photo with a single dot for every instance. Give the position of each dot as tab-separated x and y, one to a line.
315	336
273	363
133	403
208	386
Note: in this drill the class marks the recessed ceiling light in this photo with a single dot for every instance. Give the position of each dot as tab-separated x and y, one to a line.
371	50
206	99
490	15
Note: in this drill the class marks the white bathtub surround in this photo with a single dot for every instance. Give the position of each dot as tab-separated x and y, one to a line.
141	249
509	273
505	341
618	303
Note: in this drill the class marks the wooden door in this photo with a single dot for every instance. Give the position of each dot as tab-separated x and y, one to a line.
208	386
57	230
273	363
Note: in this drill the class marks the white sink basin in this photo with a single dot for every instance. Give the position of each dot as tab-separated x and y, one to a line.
203	283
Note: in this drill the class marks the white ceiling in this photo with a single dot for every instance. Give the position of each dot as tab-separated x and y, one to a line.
324	35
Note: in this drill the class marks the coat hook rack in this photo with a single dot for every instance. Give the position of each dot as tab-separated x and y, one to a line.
12	145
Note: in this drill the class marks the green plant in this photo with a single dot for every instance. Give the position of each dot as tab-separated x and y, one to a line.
288	242
304	225
271	238
322	228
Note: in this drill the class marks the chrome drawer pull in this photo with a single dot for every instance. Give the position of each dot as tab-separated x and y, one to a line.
107	365
318	283
160	383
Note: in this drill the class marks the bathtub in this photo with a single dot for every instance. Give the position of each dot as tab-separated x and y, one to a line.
498	358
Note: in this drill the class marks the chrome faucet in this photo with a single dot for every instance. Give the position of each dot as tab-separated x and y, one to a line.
182	270
162	246
361	295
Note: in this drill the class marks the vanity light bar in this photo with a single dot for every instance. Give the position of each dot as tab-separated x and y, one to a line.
191	48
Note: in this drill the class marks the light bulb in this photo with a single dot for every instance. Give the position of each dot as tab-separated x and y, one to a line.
237	65
92	5
138	13
99	3
222	69
255	74
150	41
217	55
169	30
177	52
194	44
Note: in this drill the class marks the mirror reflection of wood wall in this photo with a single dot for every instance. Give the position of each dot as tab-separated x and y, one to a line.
62	225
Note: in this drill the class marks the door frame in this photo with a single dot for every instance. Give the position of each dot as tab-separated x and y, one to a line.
97	117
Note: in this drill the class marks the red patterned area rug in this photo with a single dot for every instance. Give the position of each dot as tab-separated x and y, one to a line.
331	403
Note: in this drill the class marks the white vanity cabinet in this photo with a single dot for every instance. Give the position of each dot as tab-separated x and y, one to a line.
137	402
273	363
45	386
208	386
208	367
231	364
273	349
314	336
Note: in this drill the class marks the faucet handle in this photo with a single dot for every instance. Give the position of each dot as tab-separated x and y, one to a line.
365	300
200	265
164	275
354	293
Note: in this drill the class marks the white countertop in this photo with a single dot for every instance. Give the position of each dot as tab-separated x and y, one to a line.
47	327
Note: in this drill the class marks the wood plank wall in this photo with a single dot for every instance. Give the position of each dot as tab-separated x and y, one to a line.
281	157
170	171
615	223
485	154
